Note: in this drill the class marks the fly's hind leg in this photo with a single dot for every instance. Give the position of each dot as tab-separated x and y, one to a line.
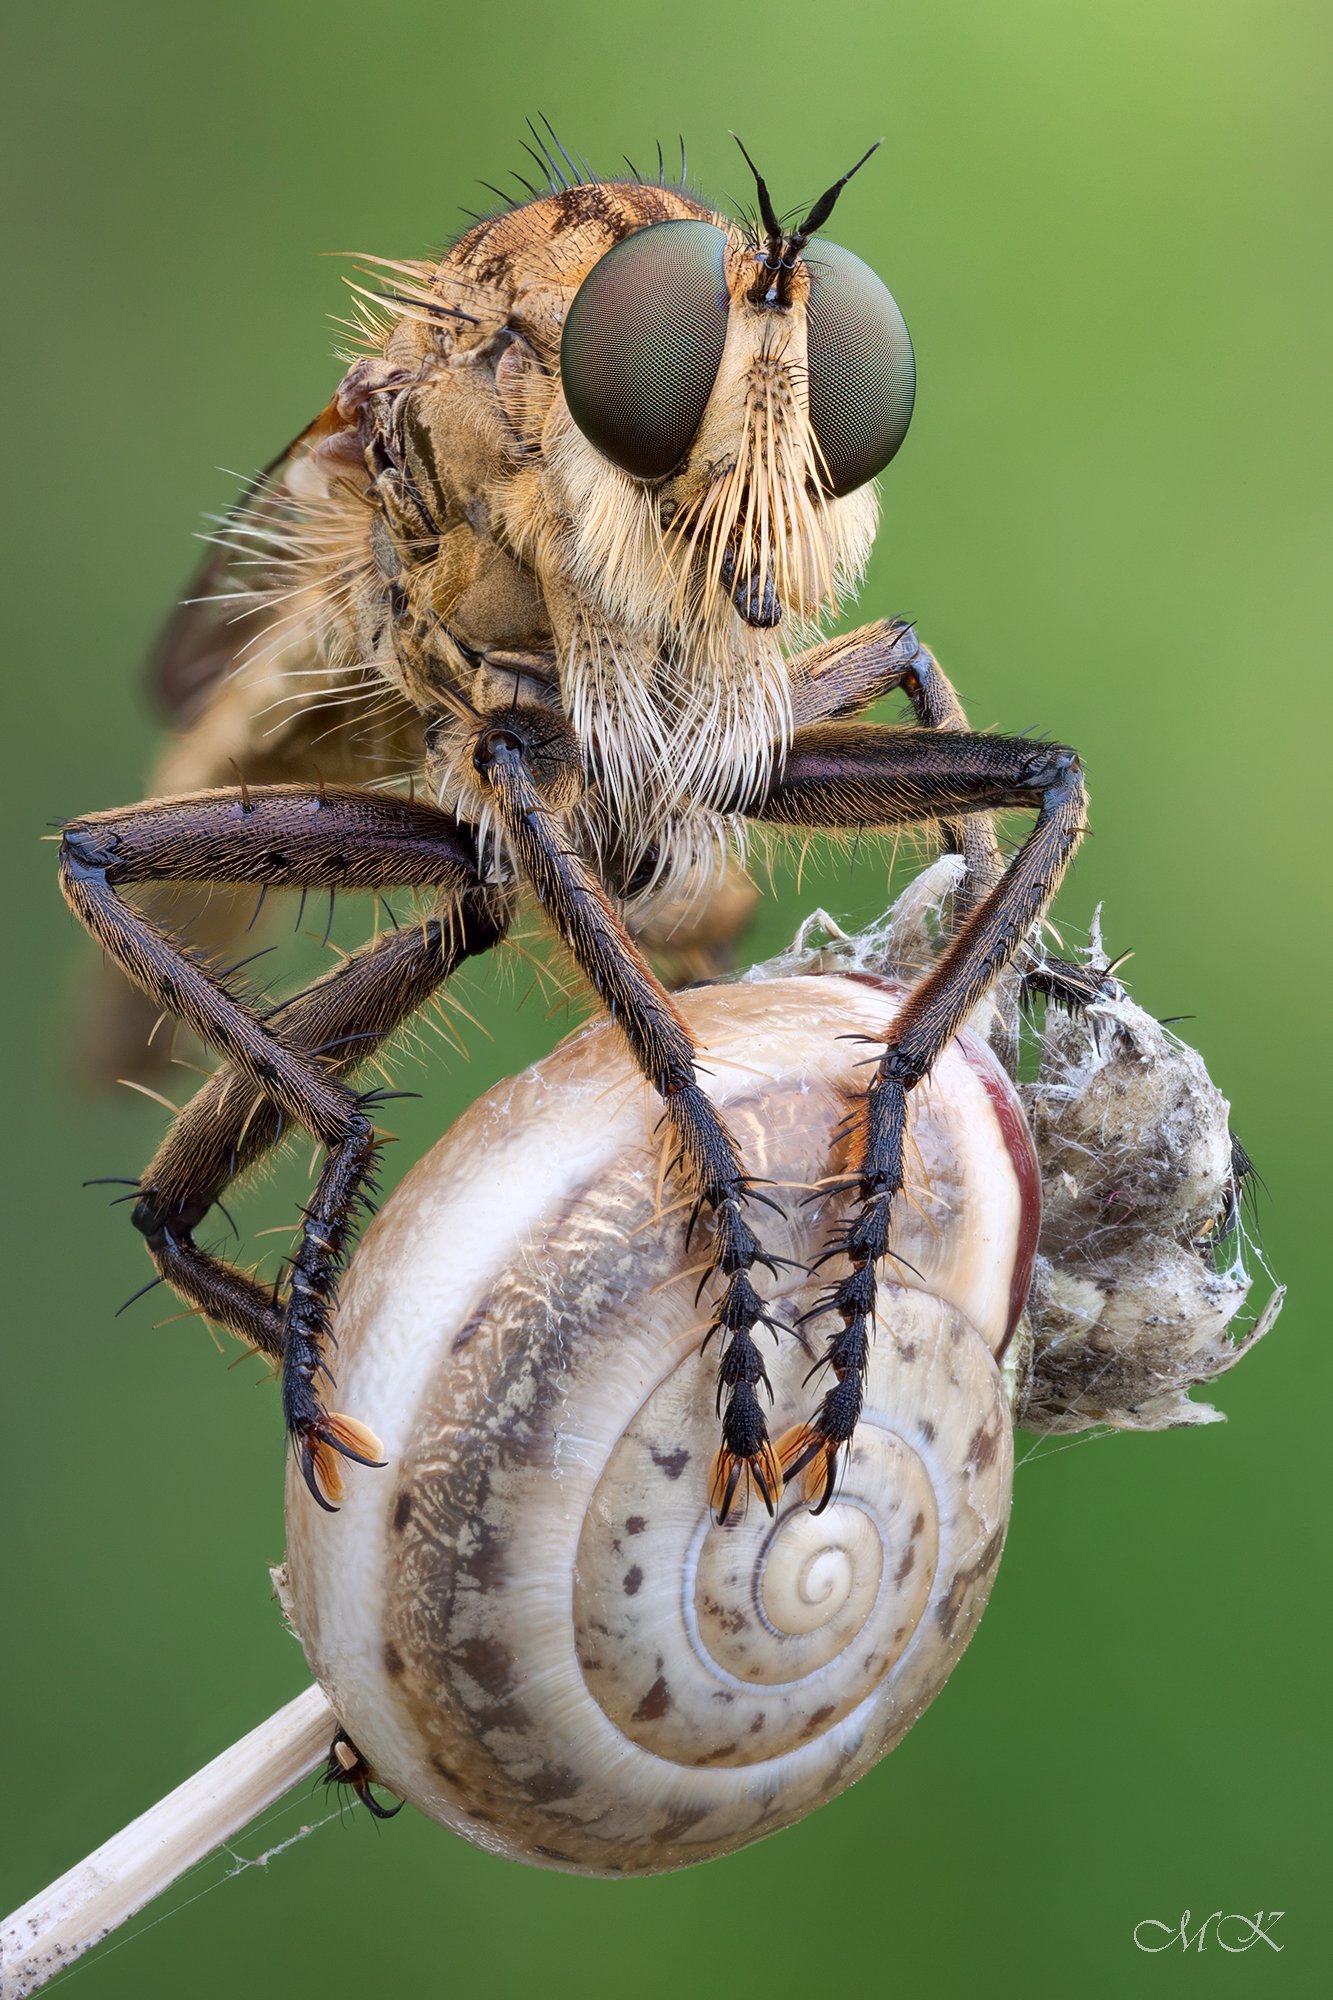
841	775
285	1065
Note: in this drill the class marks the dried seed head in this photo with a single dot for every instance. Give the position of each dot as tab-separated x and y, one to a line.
1140	1273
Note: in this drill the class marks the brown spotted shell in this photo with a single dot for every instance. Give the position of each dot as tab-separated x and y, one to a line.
529	1624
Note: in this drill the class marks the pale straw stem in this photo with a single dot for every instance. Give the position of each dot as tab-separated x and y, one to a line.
50	1932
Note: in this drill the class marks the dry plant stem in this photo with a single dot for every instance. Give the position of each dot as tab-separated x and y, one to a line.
84	1906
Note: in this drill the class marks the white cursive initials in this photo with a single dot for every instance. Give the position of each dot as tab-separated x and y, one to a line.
1245	1932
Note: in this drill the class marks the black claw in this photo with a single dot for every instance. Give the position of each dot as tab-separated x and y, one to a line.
733	1480
307	1458
346	1766
348	1451
896	1257
851	1184
372	1804
798	1465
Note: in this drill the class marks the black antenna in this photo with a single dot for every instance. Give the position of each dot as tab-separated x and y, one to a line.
823	208
772	227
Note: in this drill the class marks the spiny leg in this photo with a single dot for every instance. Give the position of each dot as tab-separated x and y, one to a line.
662	1045
283	1066
839	775
227	1125
844	676
339	1022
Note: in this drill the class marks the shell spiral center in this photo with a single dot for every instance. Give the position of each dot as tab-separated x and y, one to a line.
777	1629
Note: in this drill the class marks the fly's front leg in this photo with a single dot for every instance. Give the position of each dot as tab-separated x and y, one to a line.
528	765
282	1066
856	775
844	676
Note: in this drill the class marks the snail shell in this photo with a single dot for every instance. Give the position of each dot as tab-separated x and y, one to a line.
529	1624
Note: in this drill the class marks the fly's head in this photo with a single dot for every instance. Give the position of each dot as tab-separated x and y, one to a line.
727	398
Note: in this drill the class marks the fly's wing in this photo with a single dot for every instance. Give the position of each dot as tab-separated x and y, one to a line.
259	662
207	632
261	672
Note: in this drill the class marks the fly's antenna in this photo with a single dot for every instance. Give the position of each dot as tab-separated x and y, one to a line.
823	208
772	227
781	249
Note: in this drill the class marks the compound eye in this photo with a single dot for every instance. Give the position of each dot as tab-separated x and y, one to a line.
643	342
862	373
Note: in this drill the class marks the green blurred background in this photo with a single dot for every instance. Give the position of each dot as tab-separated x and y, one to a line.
1103	223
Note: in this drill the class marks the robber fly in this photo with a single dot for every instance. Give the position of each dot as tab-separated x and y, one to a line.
574	519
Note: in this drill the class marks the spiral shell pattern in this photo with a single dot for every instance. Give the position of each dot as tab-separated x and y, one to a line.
529	1624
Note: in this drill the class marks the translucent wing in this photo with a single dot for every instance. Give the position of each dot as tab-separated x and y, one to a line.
260	670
